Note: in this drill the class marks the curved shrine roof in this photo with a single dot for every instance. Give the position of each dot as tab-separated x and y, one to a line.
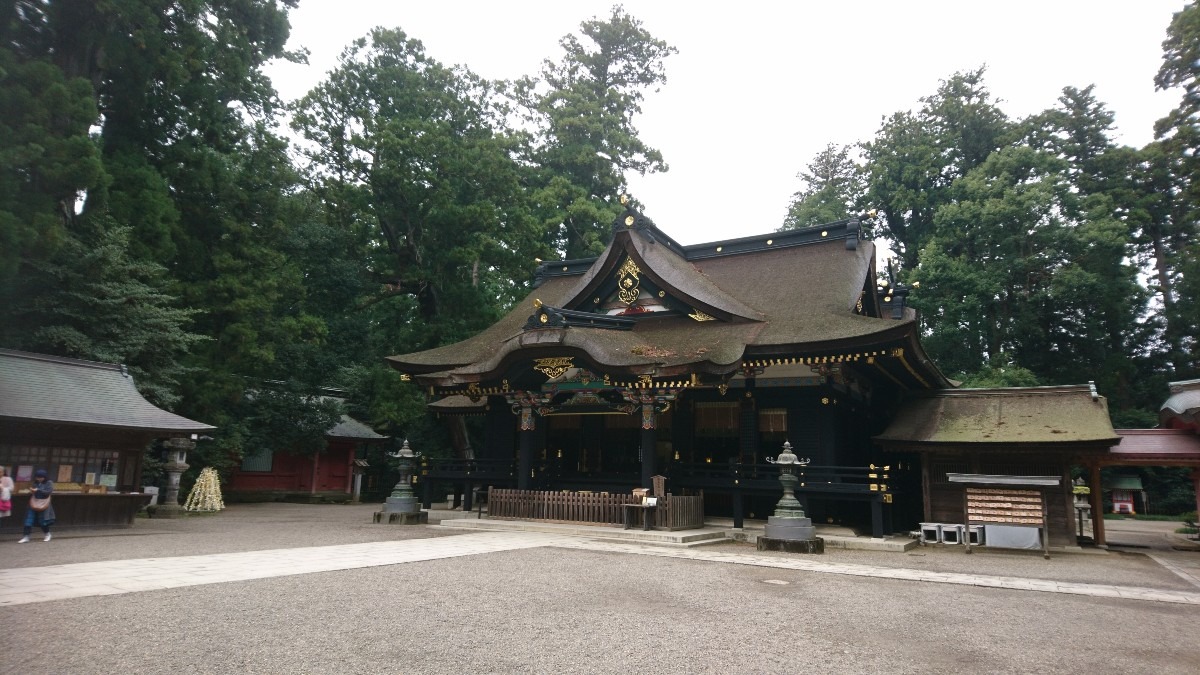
777	295
43	388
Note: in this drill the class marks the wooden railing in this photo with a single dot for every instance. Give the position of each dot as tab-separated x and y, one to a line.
674	513
847	480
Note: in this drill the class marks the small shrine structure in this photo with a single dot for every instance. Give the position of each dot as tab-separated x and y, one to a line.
87	425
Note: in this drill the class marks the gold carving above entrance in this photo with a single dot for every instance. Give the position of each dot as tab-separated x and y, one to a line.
554	366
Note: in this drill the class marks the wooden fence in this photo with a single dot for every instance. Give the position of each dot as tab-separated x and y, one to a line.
673	513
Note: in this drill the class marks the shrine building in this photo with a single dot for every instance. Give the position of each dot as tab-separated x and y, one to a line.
697	363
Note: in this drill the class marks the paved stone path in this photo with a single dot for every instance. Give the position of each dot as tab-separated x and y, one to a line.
58	582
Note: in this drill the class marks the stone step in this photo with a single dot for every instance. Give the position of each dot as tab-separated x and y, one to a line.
680	538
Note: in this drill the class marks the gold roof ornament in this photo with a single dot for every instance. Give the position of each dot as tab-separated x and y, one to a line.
624	199
537	303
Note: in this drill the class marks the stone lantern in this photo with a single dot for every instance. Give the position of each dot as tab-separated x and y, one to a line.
177	450
789	529
401	507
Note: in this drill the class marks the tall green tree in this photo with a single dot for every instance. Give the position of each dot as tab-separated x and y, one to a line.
584	107
105	306
47	158
1024	254
916	157
147	129
1171	228
410	158
417	173
1099	210
834	184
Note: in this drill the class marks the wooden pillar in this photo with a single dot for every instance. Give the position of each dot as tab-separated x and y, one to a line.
649	448
1097	506
877	516
925	491
739	509
748	443
525	454
1196	490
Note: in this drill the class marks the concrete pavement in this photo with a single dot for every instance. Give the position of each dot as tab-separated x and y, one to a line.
58	582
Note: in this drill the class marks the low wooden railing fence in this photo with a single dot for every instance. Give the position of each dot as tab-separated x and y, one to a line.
672	513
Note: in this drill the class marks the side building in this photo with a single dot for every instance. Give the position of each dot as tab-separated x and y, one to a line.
85	423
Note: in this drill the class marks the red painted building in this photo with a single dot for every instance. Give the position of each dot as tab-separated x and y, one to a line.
277	474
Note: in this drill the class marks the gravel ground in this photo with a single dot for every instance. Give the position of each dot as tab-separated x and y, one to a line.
567	611
1118	568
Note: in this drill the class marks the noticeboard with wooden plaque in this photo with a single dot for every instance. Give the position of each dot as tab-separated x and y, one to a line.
1008	507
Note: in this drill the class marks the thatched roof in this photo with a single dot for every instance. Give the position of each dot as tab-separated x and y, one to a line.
1015	417
715	306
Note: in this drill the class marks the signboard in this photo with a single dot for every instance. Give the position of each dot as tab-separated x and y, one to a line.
1008	507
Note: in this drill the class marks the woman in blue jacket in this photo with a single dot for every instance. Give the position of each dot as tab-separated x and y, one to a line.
41	489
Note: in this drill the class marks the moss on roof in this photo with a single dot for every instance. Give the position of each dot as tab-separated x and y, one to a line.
1019	415
770	302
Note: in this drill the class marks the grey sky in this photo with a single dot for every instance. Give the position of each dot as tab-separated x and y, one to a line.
758	88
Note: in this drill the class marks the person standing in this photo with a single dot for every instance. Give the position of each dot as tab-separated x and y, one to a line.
40	490
6	488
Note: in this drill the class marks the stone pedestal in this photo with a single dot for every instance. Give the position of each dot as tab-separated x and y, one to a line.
794	535
814	545
402	518
794	529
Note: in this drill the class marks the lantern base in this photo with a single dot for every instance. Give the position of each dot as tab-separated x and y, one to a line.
397	518
402	504
790	529
815	545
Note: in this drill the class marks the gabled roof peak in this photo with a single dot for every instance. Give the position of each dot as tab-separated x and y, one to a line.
633	220
848	230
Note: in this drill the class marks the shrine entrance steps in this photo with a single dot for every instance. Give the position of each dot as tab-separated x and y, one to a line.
676	539
715	531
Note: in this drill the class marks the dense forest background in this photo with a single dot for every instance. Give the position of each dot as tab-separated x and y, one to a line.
161	207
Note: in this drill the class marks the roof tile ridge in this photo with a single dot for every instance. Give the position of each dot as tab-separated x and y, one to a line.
63	360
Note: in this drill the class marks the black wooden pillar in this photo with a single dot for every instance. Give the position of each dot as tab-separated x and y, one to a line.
525	456
649	449
877	516
427	494
748	442
498	437
739	507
